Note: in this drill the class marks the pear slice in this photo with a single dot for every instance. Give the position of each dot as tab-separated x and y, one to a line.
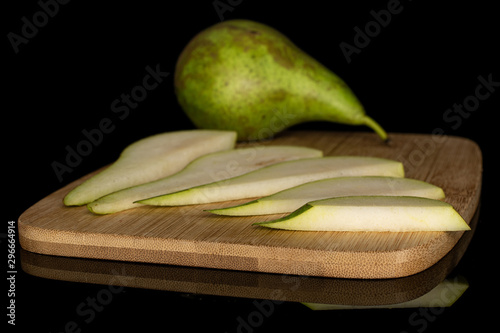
206	169
278	177
288	200
372	213
151	158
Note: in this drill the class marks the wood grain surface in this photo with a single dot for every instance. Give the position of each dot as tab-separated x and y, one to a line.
190	236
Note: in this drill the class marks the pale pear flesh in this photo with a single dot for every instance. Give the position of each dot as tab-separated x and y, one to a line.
206	169
280	176
149	159
374	214
289	200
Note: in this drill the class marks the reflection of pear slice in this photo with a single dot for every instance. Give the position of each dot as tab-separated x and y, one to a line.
149	159
206	169
443	295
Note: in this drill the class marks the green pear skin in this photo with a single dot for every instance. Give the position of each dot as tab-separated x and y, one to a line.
149	159
245	76
372	213
291	199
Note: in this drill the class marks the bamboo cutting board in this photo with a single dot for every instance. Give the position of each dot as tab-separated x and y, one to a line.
205	281
190	236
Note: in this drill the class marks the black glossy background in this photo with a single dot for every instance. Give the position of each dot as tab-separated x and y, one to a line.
64	79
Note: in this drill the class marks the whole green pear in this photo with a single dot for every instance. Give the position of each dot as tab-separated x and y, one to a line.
247	77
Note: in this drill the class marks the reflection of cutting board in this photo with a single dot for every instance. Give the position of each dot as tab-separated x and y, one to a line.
189	236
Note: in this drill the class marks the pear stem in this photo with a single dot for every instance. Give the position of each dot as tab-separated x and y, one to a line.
376	127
